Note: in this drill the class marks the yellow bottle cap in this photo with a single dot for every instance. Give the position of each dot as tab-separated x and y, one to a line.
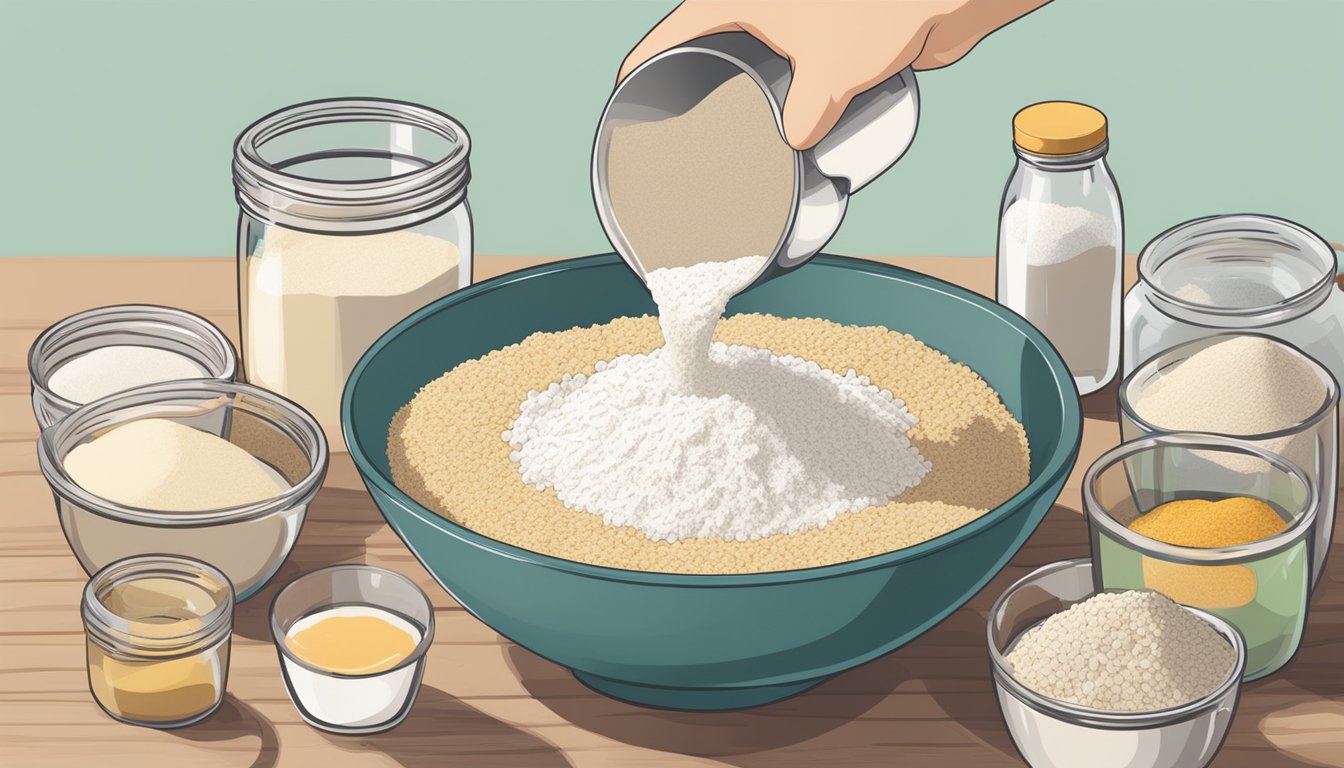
1059	128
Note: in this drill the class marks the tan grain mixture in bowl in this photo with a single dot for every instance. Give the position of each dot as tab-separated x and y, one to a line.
447	453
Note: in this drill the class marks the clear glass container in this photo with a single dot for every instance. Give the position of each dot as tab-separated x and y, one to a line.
1260	587
1060	246
194	338
1050	733
1242	272
353	215
353	703
157	634
1312	444
247	543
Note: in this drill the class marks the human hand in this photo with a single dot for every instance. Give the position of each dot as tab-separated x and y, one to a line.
837	48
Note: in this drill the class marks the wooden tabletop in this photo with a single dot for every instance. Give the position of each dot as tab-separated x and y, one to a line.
485	701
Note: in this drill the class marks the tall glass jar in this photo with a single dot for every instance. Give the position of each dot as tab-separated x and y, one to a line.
1242	272
1061	238
353	214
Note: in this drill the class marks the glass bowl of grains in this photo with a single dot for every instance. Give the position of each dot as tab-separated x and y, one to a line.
1211	522
1062	655
709	622
212	470
1248	387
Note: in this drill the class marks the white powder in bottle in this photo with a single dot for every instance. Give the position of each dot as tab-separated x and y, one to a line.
1060	269
107	370
701	439
1133	651
315	303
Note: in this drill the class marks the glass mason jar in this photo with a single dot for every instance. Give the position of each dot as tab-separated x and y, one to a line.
353	215
1242	272
157	636
1061	238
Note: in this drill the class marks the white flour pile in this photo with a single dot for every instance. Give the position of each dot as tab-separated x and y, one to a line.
1131	651
105	370
710	440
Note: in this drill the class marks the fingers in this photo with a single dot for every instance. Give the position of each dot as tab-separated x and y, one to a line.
811	107
685	22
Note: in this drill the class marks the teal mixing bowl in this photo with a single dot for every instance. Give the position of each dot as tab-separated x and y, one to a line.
708	642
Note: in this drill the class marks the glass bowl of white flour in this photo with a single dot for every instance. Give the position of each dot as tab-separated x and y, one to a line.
101	351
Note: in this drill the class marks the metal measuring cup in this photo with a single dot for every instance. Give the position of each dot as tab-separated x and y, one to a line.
873	133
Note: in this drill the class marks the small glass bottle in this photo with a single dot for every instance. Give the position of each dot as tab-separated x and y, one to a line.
1061	238
158	630
353	214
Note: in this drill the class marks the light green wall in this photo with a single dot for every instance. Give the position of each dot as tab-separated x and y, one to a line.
117	117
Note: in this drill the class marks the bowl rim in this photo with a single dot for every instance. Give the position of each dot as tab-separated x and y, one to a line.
1056	470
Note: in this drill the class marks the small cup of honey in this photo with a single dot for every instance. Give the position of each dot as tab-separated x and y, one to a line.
352	642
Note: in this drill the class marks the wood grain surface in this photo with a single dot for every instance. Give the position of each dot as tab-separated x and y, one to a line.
486	702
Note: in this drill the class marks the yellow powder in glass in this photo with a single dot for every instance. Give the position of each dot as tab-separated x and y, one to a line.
362	644
159	687
1210	524
1206	524
153	691
1201	586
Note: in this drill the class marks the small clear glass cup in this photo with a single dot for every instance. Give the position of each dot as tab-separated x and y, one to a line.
157	633
1260	587
141	325
346	703
1311	445
1050	733
248	542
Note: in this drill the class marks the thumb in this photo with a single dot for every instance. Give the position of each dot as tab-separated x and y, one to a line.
811	108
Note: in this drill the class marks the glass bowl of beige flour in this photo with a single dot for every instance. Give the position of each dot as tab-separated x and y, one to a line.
212	470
